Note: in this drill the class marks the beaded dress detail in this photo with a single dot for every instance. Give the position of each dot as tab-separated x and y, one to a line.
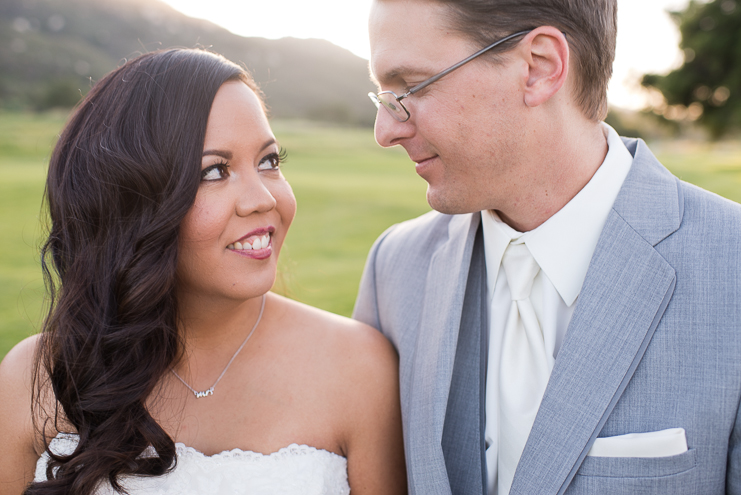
293	470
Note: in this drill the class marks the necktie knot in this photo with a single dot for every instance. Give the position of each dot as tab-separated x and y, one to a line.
521	269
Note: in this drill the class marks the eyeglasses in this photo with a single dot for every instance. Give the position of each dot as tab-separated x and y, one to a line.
393	103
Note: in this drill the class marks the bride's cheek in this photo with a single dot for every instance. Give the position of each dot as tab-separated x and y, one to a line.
287	206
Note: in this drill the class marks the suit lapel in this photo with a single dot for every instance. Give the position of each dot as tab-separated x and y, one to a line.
465	418
434	357
626	291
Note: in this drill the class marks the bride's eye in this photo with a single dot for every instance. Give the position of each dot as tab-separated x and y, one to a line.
272	161
218	171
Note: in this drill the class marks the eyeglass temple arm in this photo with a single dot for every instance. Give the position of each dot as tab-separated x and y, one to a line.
462	62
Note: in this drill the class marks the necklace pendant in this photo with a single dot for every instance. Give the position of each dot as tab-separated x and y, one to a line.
205	393
210	391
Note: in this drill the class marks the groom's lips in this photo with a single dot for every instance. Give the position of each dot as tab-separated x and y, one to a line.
423	164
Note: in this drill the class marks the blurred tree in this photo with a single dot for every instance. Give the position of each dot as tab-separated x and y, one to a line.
707	87
64	93
616	119
331	112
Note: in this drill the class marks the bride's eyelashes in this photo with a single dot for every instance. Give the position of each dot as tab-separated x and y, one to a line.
217	171
273	161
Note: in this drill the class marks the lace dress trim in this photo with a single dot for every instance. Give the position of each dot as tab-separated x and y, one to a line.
292	470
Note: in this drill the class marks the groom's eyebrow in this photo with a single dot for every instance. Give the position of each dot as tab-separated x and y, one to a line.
400	72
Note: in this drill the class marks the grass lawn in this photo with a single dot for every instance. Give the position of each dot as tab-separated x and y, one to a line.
715	167
25	144
348	190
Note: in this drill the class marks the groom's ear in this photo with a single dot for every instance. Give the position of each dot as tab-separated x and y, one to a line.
546	53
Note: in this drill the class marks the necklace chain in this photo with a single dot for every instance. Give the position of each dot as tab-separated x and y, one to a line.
210	391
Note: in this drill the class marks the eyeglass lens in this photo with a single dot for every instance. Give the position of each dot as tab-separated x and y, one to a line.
390	102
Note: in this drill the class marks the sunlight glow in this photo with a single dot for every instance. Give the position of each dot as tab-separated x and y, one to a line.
647	38
343	22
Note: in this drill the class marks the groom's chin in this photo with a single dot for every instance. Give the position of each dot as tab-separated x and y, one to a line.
447	202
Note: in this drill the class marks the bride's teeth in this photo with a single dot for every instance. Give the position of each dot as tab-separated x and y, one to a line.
259	243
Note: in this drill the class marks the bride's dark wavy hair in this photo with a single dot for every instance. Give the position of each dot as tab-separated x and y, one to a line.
122	176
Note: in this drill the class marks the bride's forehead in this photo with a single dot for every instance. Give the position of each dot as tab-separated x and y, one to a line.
236	116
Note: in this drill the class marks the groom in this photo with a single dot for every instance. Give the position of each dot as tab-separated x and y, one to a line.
569	319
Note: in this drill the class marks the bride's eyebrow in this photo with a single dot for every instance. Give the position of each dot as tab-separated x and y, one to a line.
268	143
227	155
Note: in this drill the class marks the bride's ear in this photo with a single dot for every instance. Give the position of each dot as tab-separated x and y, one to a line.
546	52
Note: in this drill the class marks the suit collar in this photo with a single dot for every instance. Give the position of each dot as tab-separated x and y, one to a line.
650	201
625	293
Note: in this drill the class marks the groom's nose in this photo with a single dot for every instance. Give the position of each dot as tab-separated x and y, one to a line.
389	131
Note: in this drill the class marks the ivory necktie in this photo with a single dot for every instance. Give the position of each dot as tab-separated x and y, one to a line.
525	365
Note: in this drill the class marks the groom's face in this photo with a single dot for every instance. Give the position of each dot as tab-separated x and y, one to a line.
465	130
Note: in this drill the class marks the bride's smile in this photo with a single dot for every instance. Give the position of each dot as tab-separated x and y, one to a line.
244	205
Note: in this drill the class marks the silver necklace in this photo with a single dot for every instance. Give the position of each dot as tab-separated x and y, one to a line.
210	391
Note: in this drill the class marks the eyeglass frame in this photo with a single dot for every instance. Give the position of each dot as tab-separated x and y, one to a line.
378	102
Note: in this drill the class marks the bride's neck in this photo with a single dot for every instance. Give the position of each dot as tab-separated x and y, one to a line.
208	323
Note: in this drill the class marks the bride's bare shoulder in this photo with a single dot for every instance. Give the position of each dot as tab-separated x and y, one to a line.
340	337
16	370
18	449
20	379
352	370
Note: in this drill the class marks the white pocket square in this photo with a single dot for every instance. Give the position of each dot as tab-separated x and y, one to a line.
662	443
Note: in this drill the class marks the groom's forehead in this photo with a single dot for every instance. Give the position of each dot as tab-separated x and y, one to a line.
408	39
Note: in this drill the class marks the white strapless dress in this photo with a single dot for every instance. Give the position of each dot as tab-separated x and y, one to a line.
293	470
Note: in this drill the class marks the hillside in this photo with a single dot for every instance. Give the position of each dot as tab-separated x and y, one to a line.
50	49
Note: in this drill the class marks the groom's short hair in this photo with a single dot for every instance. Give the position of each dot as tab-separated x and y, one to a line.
590	27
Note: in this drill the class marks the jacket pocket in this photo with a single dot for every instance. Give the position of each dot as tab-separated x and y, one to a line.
638	467
630	475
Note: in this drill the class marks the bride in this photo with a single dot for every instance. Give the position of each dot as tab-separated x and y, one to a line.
164	364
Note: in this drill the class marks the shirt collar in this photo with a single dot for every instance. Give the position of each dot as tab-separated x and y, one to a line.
564	244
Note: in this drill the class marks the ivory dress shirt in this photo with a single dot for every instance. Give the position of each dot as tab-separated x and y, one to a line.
563	247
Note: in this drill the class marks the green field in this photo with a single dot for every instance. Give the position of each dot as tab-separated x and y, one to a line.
348	189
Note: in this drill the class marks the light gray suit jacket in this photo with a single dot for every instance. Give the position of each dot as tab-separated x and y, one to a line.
654	343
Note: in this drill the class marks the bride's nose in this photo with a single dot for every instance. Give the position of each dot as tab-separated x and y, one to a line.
254	197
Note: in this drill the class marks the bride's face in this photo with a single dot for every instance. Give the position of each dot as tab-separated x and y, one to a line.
231	237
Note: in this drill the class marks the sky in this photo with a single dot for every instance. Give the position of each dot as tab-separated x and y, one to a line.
647	38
